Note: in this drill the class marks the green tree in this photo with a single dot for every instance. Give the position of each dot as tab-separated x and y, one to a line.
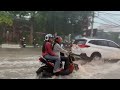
5	18
62	22
65	22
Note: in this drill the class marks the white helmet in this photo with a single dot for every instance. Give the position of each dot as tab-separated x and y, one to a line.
23	37
48	36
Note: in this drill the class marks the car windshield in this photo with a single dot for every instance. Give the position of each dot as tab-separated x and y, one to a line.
80	41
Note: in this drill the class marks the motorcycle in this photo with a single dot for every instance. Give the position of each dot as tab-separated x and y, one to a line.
23	43
46	71
36	45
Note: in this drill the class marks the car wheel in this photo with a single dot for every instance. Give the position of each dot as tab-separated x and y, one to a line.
96	56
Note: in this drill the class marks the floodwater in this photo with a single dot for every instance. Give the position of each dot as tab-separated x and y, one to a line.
23	63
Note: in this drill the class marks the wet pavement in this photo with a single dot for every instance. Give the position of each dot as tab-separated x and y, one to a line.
19	63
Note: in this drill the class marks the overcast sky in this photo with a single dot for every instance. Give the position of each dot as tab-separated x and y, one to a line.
107	17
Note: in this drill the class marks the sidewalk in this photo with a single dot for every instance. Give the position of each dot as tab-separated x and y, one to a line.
14	46
10	46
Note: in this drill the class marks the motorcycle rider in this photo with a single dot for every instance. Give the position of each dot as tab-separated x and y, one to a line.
23	43
35	44
49	54
58	50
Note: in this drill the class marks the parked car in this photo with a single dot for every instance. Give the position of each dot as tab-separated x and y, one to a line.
96	49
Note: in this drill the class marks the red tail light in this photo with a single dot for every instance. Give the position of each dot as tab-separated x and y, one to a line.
83	46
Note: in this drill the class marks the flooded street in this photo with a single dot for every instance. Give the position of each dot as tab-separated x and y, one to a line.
19	63
23	63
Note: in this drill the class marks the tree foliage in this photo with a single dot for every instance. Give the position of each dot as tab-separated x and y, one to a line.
62	22
5	18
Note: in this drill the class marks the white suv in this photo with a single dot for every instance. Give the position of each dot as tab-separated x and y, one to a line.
96	49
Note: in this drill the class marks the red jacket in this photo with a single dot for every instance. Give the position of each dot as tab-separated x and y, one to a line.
48	49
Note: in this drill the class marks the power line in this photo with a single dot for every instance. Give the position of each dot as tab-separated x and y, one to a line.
108	21
111	17
110	13
102	19
113	26
102	23
114	19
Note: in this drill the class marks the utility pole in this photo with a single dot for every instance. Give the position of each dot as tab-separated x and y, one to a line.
92	24
54	22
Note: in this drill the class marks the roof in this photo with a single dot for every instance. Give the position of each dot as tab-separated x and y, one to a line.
93	39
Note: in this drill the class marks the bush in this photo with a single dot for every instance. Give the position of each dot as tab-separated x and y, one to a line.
1	40
40	40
